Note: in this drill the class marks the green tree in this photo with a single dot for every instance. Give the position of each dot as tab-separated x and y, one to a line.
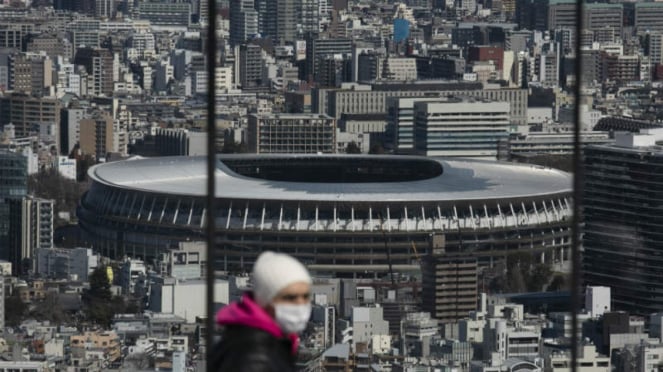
558	283
50	309
100	285
51	185
15	309
352	148
97	299
83	163
539	277
376	149
515	281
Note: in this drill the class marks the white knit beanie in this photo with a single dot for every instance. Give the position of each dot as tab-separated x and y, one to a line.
274	271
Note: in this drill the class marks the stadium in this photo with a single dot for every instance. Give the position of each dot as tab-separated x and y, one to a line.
343	215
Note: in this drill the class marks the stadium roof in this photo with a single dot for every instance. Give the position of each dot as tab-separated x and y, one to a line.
461	180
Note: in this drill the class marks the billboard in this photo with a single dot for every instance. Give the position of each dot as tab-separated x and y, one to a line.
300	49
401	29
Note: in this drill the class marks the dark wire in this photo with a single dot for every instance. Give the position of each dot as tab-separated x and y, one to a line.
210	228
577	194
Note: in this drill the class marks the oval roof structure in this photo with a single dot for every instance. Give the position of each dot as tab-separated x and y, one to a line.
461	180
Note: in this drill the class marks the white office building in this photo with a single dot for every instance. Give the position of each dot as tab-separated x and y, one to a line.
185	298
597	300
368	322
460	127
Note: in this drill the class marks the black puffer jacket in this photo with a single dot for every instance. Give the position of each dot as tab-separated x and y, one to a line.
247	349
251	341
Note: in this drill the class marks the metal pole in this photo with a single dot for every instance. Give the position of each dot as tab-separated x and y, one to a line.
210	228
577	194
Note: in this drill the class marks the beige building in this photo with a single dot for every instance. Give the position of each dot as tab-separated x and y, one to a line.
108	342
372	99
52	45
31	73
24	111
449	283
96	135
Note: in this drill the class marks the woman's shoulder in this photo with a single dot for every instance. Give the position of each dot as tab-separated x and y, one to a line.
245	348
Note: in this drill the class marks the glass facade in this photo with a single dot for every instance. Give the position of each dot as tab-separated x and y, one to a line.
623	238
13	185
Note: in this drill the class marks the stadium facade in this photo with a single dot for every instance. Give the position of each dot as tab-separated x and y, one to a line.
342	215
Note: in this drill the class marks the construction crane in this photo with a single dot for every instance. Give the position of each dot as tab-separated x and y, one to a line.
414	250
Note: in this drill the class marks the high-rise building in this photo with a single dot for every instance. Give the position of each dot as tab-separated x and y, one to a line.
11	38
96	135
30	73
320	48
648	16
70	129
449	282
105	9
599	16
13	185
656	47
98	63
203	11
250	65
30	228
561	13
52	45
243	21
24	112
267	22
166	13
622	212
287	13
310	16
460	127
401	121
2	304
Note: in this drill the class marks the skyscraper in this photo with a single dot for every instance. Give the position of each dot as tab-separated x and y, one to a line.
623	203
286	20
13	185
203	11
250	65
266	20
310	16
243	21
98	62
96	135
30	228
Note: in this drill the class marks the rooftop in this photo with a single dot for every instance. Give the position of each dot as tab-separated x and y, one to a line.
284	177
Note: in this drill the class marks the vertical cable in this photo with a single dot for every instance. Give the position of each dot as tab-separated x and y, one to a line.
577	192
210	228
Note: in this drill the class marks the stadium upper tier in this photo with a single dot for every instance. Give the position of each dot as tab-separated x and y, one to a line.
334	212
335	178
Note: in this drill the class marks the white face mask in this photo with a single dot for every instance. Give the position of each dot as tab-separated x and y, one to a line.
292	318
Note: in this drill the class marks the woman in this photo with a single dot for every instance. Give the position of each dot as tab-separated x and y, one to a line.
260	331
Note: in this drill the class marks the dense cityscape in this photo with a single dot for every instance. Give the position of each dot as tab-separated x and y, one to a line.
417	156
